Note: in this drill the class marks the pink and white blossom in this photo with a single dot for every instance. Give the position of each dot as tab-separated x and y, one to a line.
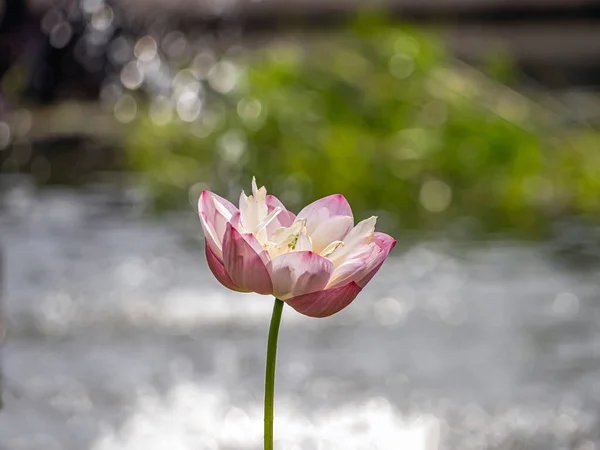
317	261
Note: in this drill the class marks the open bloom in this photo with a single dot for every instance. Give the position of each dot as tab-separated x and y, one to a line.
317	261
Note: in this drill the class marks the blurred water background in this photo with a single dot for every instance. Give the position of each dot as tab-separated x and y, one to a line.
471	130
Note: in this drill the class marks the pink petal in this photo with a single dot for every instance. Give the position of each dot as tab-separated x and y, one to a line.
210	236
316	212
285	219
218	270
333	229
384	241
244	261
258	249
298	273
213	221
386	244
206	204
235	221
325	303
273	202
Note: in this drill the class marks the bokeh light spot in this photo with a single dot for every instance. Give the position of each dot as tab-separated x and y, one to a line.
232	146
223	76
401	65
435	195
125	109
131	76
145	49
249	108
60	35
189	106
102	18
203	63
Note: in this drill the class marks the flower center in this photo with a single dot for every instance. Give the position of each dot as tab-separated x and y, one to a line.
292	244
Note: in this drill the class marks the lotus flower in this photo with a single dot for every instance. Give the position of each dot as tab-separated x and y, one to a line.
317	262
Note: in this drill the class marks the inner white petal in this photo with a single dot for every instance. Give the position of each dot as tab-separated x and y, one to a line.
253	210
331	248
260	195
261	231
303	243
360	235
270	217
285	240
285	235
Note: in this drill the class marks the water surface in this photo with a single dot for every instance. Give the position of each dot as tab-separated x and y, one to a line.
120	338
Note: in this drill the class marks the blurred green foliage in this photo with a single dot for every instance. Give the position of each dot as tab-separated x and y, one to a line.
384	115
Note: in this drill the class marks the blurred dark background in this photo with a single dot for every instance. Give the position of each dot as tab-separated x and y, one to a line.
471	128
483	111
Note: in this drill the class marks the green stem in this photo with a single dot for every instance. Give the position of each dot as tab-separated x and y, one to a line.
270	375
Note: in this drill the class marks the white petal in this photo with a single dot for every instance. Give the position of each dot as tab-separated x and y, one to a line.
285	240
253	209
287	235
270	218
330	248
360	235
284	219
303	243
243	208
261	231
332	229
260	195
354	265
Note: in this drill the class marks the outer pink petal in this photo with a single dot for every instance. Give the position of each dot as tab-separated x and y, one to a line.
255	245
316	212
210	236
244	264
325	303
386	244
298	273
205	203
213	222
384	241
218	270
